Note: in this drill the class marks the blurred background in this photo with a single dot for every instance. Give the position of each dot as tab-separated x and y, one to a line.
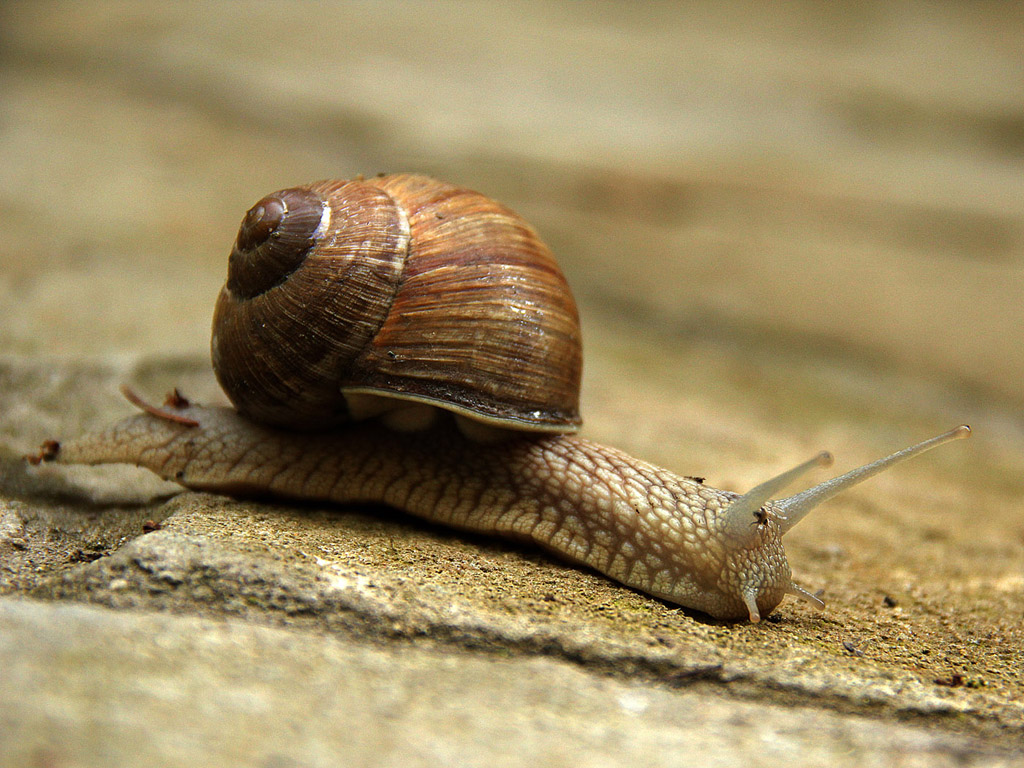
796	201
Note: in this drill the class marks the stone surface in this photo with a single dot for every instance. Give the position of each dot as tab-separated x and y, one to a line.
386	578
946	660
96	688
790	228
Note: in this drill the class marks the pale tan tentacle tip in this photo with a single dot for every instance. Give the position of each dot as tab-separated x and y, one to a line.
750	600
814	598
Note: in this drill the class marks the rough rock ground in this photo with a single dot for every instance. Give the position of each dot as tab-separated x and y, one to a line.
159	689
247	592
794	236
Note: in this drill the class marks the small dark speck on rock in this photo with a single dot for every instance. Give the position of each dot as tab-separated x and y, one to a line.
889	602
852	648
85	556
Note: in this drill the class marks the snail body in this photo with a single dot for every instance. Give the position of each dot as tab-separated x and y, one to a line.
590	504
667	535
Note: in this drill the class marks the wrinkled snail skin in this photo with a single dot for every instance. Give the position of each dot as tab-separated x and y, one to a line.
587	503
664	534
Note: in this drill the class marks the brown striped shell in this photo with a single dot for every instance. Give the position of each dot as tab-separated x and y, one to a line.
400	287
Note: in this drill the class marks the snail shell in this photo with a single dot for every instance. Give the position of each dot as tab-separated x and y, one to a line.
389	290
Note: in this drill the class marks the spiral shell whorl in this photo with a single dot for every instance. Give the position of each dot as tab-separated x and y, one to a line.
282	354
412	289
274	238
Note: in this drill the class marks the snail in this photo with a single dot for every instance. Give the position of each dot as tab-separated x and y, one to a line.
403	341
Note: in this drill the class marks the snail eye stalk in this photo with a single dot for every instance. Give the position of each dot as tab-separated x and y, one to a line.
795	508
